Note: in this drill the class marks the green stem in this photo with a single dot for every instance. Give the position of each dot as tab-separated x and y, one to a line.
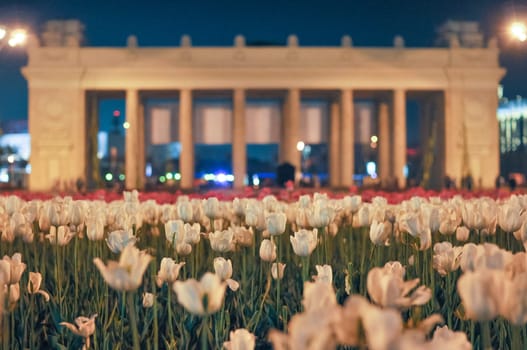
133	320
517	341
485	335
204	342
75	262
278	301
169	308
305	269
156	326
362	262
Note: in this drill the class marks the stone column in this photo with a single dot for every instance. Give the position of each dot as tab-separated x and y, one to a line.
454	135
399	136
141	147
290	130
186	138
384	144
347	138
334	145
239	147
131	139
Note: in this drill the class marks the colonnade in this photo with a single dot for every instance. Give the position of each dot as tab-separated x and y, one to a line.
391	121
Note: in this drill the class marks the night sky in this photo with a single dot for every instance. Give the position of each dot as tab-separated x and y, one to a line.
215	23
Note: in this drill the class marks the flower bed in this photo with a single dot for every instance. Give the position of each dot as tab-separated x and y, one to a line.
260	269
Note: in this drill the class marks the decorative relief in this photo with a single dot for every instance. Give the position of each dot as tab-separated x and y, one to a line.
54	112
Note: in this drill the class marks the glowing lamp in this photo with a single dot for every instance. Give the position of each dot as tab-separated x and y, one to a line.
518	31
18	37
300	146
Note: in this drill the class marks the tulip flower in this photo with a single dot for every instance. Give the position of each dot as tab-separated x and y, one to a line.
168	271
212	208
462	233
222	241
148	300
277	271
446	258
11	268
127	273
33	285
388	289
304	242
445	338
268	250
481	293
84	327
60	236
324	274
13	293
380	232
254	215
240	339
244	237
223	268
118	240
95	227
202	297
275	223
509	216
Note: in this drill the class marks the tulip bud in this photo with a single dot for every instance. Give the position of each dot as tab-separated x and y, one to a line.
277	270
268	250
148	300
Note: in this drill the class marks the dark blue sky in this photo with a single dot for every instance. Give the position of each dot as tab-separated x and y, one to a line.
215	23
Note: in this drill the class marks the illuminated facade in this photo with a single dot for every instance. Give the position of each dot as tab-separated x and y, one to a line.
512	117
456	85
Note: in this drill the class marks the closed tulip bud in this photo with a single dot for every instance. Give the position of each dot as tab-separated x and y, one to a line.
462	233
277	270
267	250
148	300
185	210
363	216
223	268
509	218
212	208
95	228
11	269
275	223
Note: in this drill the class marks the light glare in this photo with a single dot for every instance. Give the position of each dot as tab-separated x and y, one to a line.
519	31
300	146
17	38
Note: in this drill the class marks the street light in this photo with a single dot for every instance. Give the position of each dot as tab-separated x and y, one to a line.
12	36
518	30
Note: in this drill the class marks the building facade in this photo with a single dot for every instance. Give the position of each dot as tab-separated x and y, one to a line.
456	85
512	117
